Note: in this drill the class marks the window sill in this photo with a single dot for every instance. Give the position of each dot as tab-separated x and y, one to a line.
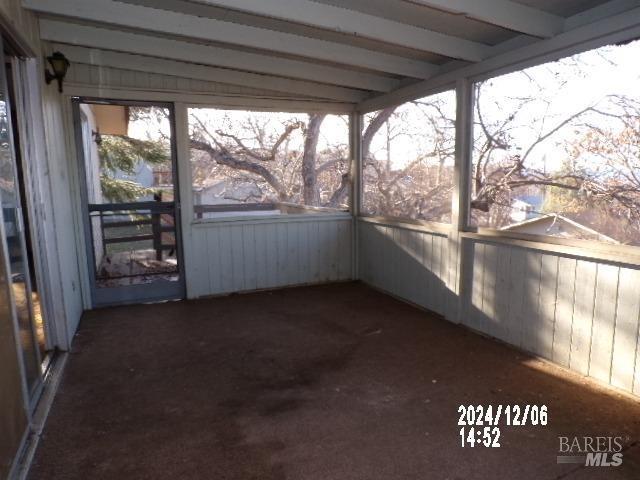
584	249
589	250
421	225
277	218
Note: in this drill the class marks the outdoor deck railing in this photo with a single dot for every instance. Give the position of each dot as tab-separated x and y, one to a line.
159	215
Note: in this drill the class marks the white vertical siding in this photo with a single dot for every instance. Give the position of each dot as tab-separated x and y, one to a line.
518	293
251	255
546	306
604	317
564	311
107	77
405	262
579	313
60	158
23	22
626	328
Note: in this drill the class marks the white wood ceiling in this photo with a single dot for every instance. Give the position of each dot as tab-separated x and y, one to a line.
346	51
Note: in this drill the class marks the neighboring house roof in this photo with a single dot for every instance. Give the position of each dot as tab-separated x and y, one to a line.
558	226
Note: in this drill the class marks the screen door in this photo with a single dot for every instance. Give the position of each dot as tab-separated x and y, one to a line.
130	198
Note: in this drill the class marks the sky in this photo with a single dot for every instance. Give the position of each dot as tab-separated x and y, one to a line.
570	85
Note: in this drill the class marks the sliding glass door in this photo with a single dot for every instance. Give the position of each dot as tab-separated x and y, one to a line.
13	233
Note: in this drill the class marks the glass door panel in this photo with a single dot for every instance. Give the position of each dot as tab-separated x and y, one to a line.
13	232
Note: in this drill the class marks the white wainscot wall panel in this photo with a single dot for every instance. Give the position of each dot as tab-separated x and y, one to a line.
242	256
578	313
406	262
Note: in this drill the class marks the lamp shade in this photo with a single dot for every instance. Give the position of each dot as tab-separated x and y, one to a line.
59	64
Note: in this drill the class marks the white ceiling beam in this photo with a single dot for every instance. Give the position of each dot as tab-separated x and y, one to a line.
139	63
342	20
211	30
588	33
604	10
88	36
502	13
207	100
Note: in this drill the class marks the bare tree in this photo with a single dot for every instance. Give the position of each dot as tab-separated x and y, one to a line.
418	187
277	166
593	177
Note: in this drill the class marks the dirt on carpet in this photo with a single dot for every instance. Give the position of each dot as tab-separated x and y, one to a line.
336	382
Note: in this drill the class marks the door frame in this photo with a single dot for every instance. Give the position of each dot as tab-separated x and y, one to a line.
129	294
26	96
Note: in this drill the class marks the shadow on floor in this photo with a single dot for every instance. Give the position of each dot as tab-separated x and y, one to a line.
317	383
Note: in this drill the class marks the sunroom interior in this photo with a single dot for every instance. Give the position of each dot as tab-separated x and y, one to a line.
301	238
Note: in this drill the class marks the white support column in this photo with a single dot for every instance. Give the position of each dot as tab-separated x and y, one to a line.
181	118
461	194
463	154
355	147
355	138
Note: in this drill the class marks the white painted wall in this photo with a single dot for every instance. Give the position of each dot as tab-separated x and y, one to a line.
83	75
580	313
22	22
236	256
46	155
65	201
406	262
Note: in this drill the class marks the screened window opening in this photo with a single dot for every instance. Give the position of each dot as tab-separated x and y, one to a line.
557	148
408	157
268	163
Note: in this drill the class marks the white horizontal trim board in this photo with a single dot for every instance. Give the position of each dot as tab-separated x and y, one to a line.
108	39
212	30
245	256
582	314
147	64
259	219
503	13
348	21
206	100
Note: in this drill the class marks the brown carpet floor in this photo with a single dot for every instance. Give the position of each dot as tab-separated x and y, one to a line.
320	383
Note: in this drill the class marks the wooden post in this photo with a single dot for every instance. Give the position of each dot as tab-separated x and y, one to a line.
102	239
157	230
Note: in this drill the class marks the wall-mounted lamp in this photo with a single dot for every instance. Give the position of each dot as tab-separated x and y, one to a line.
59	65
97	137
